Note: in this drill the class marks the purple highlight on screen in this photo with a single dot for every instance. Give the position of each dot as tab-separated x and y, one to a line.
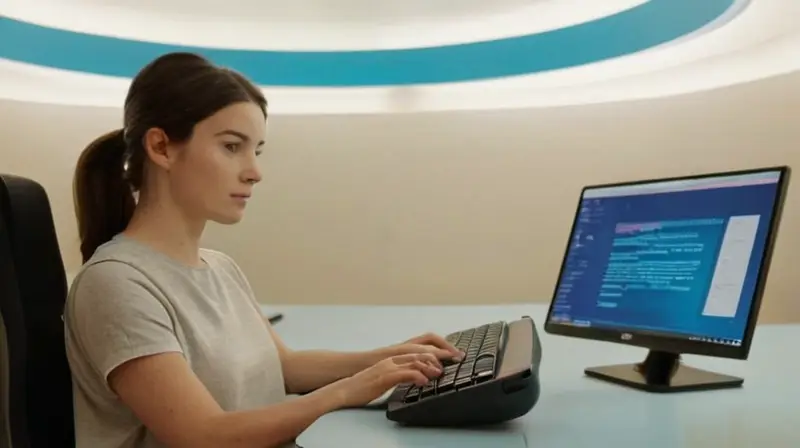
637	227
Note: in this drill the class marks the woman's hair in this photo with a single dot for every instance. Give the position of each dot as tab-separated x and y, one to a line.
172	93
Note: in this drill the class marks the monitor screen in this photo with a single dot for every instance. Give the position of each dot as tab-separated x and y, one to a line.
676	257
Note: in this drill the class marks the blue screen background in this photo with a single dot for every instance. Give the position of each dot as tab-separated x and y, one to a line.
674	310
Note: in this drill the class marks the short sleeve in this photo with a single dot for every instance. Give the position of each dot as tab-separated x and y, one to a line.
114	316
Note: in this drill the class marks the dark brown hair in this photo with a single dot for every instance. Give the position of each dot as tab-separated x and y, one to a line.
173	93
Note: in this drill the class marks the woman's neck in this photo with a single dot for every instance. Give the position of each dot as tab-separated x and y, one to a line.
169	231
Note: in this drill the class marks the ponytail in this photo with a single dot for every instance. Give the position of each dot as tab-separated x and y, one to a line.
104	201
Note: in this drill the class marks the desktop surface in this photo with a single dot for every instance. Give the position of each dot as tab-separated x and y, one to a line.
573	410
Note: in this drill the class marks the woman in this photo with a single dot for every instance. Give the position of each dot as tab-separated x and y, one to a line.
165	340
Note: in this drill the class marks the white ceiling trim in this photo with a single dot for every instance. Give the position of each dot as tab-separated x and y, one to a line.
304	11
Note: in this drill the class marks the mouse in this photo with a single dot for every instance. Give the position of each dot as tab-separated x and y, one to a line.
382	401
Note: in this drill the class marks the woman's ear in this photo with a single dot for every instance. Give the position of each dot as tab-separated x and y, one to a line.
156	146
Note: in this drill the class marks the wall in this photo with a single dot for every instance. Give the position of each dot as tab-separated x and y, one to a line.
469	207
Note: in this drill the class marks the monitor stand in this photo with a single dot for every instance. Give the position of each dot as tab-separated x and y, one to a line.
663	372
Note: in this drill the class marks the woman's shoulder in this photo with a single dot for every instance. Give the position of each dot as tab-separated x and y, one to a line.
124	264
224	264
217	259
118	269
113	262
111	290
109	279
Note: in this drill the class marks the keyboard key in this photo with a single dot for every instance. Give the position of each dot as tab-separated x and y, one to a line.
446	387
462	381
483	376
484	364
412	394
402	390
464	375
451	369
488	350
449	362
447	378
428	390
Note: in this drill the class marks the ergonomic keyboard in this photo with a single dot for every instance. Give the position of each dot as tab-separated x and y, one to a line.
497	381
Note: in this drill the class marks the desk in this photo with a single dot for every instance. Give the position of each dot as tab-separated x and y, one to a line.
573	411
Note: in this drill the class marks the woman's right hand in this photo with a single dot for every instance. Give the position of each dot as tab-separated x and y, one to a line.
369	384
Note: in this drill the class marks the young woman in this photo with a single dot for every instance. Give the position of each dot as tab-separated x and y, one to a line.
165	340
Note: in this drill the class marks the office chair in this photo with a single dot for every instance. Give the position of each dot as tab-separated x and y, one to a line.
33	289
5	441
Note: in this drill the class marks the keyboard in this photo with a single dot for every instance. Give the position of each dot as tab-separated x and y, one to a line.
497	381
481	346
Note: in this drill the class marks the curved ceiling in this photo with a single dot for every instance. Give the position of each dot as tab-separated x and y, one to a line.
750	41
260	32
639	28
351	11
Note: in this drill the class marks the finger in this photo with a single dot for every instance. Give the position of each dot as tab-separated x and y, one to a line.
420	355
431	371
431	357
425	369
441	343
405	359
406	375
434	339
441	353
420	367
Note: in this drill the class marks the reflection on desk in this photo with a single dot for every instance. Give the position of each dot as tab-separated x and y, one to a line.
573	411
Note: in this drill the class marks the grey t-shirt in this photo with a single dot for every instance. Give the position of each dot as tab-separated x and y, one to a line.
130	301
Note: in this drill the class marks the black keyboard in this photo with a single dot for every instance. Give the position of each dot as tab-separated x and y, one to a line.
481	346
498	379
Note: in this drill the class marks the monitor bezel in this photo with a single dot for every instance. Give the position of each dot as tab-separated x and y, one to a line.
671	342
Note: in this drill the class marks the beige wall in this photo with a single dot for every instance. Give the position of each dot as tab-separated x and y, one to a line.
450	208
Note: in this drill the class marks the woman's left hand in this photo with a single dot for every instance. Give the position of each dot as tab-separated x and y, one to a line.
429	343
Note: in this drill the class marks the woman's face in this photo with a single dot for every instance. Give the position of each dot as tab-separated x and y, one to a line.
213	174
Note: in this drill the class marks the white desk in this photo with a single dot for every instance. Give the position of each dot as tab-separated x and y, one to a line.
573	411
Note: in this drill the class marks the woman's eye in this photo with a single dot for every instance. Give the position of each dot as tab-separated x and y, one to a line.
232	147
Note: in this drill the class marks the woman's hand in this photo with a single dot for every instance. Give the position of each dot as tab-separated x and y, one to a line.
430	343
369	384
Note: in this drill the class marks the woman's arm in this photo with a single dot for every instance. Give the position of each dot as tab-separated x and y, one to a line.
308	370
174	405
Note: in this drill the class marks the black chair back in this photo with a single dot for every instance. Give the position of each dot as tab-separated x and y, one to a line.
33	289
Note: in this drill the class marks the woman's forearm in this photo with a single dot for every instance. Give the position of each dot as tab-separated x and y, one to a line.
273	426
307	370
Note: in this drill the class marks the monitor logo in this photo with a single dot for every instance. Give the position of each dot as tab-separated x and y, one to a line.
626	336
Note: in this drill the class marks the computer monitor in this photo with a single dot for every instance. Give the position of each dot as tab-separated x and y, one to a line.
674	265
